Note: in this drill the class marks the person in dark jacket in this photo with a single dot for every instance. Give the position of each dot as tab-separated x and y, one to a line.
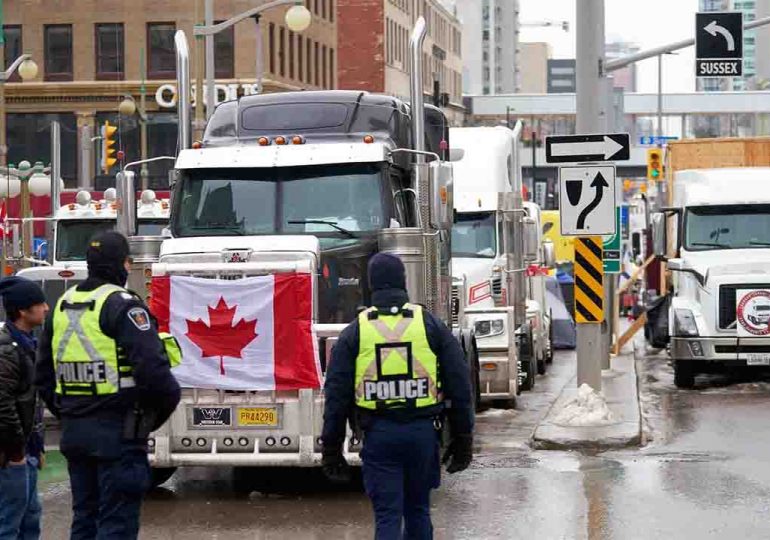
103	370
21	446
393	369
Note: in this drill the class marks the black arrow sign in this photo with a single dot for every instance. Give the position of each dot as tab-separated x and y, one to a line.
599	183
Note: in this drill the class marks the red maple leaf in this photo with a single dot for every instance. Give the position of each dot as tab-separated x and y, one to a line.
221	337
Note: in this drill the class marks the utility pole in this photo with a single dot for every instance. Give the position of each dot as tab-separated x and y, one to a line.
660	95
591	118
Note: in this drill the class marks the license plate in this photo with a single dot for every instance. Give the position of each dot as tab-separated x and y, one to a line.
758	359
258	416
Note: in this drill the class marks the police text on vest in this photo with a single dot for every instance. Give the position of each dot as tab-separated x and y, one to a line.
396	389
82	372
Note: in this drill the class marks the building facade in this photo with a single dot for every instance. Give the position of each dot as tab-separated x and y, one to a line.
92	54
374	50
624	78
490	46
533	61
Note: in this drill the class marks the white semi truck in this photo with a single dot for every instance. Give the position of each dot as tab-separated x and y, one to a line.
538	315
313	183
489	258
717	241
74	224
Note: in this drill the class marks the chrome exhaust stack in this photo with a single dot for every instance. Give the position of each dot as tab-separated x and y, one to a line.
184	108
415	86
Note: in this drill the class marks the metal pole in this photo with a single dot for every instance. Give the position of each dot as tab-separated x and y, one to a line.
3	147
145	171
55	167
590	119
260	71
660	95
200	66
210	73
183	90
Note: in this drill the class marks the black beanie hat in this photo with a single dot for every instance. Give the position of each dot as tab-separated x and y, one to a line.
386	271
107	249
19	293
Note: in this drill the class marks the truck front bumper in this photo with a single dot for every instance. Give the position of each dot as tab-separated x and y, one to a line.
497	379
723	350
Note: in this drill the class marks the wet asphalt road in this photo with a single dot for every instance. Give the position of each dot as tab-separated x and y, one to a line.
703	473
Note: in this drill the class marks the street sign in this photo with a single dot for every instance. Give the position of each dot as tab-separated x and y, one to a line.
582	148
655	141
587	200
719	44
589	280
611	247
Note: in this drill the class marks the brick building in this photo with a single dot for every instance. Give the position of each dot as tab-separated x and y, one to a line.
374	49
92	53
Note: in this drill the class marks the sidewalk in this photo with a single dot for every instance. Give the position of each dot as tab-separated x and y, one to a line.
619	387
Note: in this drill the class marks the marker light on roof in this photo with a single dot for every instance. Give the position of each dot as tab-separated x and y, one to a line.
297	140
197	145
280	140
263	141
368	139
83	198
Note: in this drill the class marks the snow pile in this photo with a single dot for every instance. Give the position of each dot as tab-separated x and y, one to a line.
589	408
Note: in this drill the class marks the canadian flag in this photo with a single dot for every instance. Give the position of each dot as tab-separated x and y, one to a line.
3	217
246	334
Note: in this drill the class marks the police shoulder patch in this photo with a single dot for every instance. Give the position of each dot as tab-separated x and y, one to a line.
140	318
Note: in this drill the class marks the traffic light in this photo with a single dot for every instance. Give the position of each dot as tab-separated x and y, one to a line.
654	164
108	147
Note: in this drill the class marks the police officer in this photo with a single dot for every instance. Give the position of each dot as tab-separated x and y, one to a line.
396	366
103	370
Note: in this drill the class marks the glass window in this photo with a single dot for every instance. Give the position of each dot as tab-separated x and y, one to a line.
282	51
72	237
291	55
333	202
224	53
727	227
271	44
29	134
473	235
58	52
109	51
13	48
161	59
300	59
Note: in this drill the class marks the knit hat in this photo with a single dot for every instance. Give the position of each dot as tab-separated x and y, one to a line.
386	271
19	293
106	254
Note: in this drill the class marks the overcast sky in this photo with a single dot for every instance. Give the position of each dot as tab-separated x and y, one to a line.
648	23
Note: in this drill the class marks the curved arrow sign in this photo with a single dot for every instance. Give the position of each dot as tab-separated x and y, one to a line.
713	28
598	184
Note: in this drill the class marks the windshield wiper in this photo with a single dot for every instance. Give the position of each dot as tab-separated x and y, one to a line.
332	224
711	244
758	243
229	228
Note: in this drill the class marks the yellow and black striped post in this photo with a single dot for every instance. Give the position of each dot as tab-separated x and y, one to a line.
589	280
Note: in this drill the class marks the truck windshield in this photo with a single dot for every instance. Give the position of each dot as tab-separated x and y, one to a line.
339	202
473	235
72	237
734	226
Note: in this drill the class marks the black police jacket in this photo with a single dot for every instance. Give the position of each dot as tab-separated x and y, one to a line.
156	392
17	396
339	390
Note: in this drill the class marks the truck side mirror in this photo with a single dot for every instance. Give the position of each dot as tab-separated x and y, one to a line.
441	195
549	254
531	244
659	235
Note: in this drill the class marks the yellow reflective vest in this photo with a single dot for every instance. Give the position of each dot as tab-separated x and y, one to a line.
395	366
86	361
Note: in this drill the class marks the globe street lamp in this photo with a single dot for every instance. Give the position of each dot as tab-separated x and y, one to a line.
27	71
298	19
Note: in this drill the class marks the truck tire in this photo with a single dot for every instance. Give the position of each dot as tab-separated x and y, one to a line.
468	343
161	475
684	374
528	363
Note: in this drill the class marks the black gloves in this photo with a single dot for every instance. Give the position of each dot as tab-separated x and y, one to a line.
334	466
460	452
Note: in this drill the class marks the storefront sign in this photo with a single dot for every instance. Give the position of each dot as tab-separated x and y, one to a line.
165	96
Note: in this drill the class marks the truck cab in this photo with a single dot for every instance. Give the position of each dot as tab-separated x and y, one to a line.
718	235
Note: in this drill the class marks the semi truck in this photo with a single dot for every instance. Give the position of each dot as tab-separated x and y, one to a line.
489	259
715	238
75	223
304	183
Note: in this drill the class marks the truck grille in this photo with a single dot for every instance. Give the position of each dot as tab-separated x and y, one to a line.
727	302
455	305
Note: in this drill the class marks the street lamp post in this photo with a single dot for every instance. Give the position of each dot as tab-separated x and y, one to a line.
128	107
27	70
298	18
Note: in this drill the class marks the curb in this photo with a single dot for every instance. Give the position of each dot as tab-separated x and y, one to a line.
620	388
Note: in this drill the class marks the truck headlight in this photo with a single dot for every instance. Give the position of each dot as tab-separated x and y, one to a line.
684	323
489	327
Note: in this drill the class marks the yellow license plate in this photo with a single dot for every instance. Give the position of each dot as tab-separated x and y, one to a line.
258	416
